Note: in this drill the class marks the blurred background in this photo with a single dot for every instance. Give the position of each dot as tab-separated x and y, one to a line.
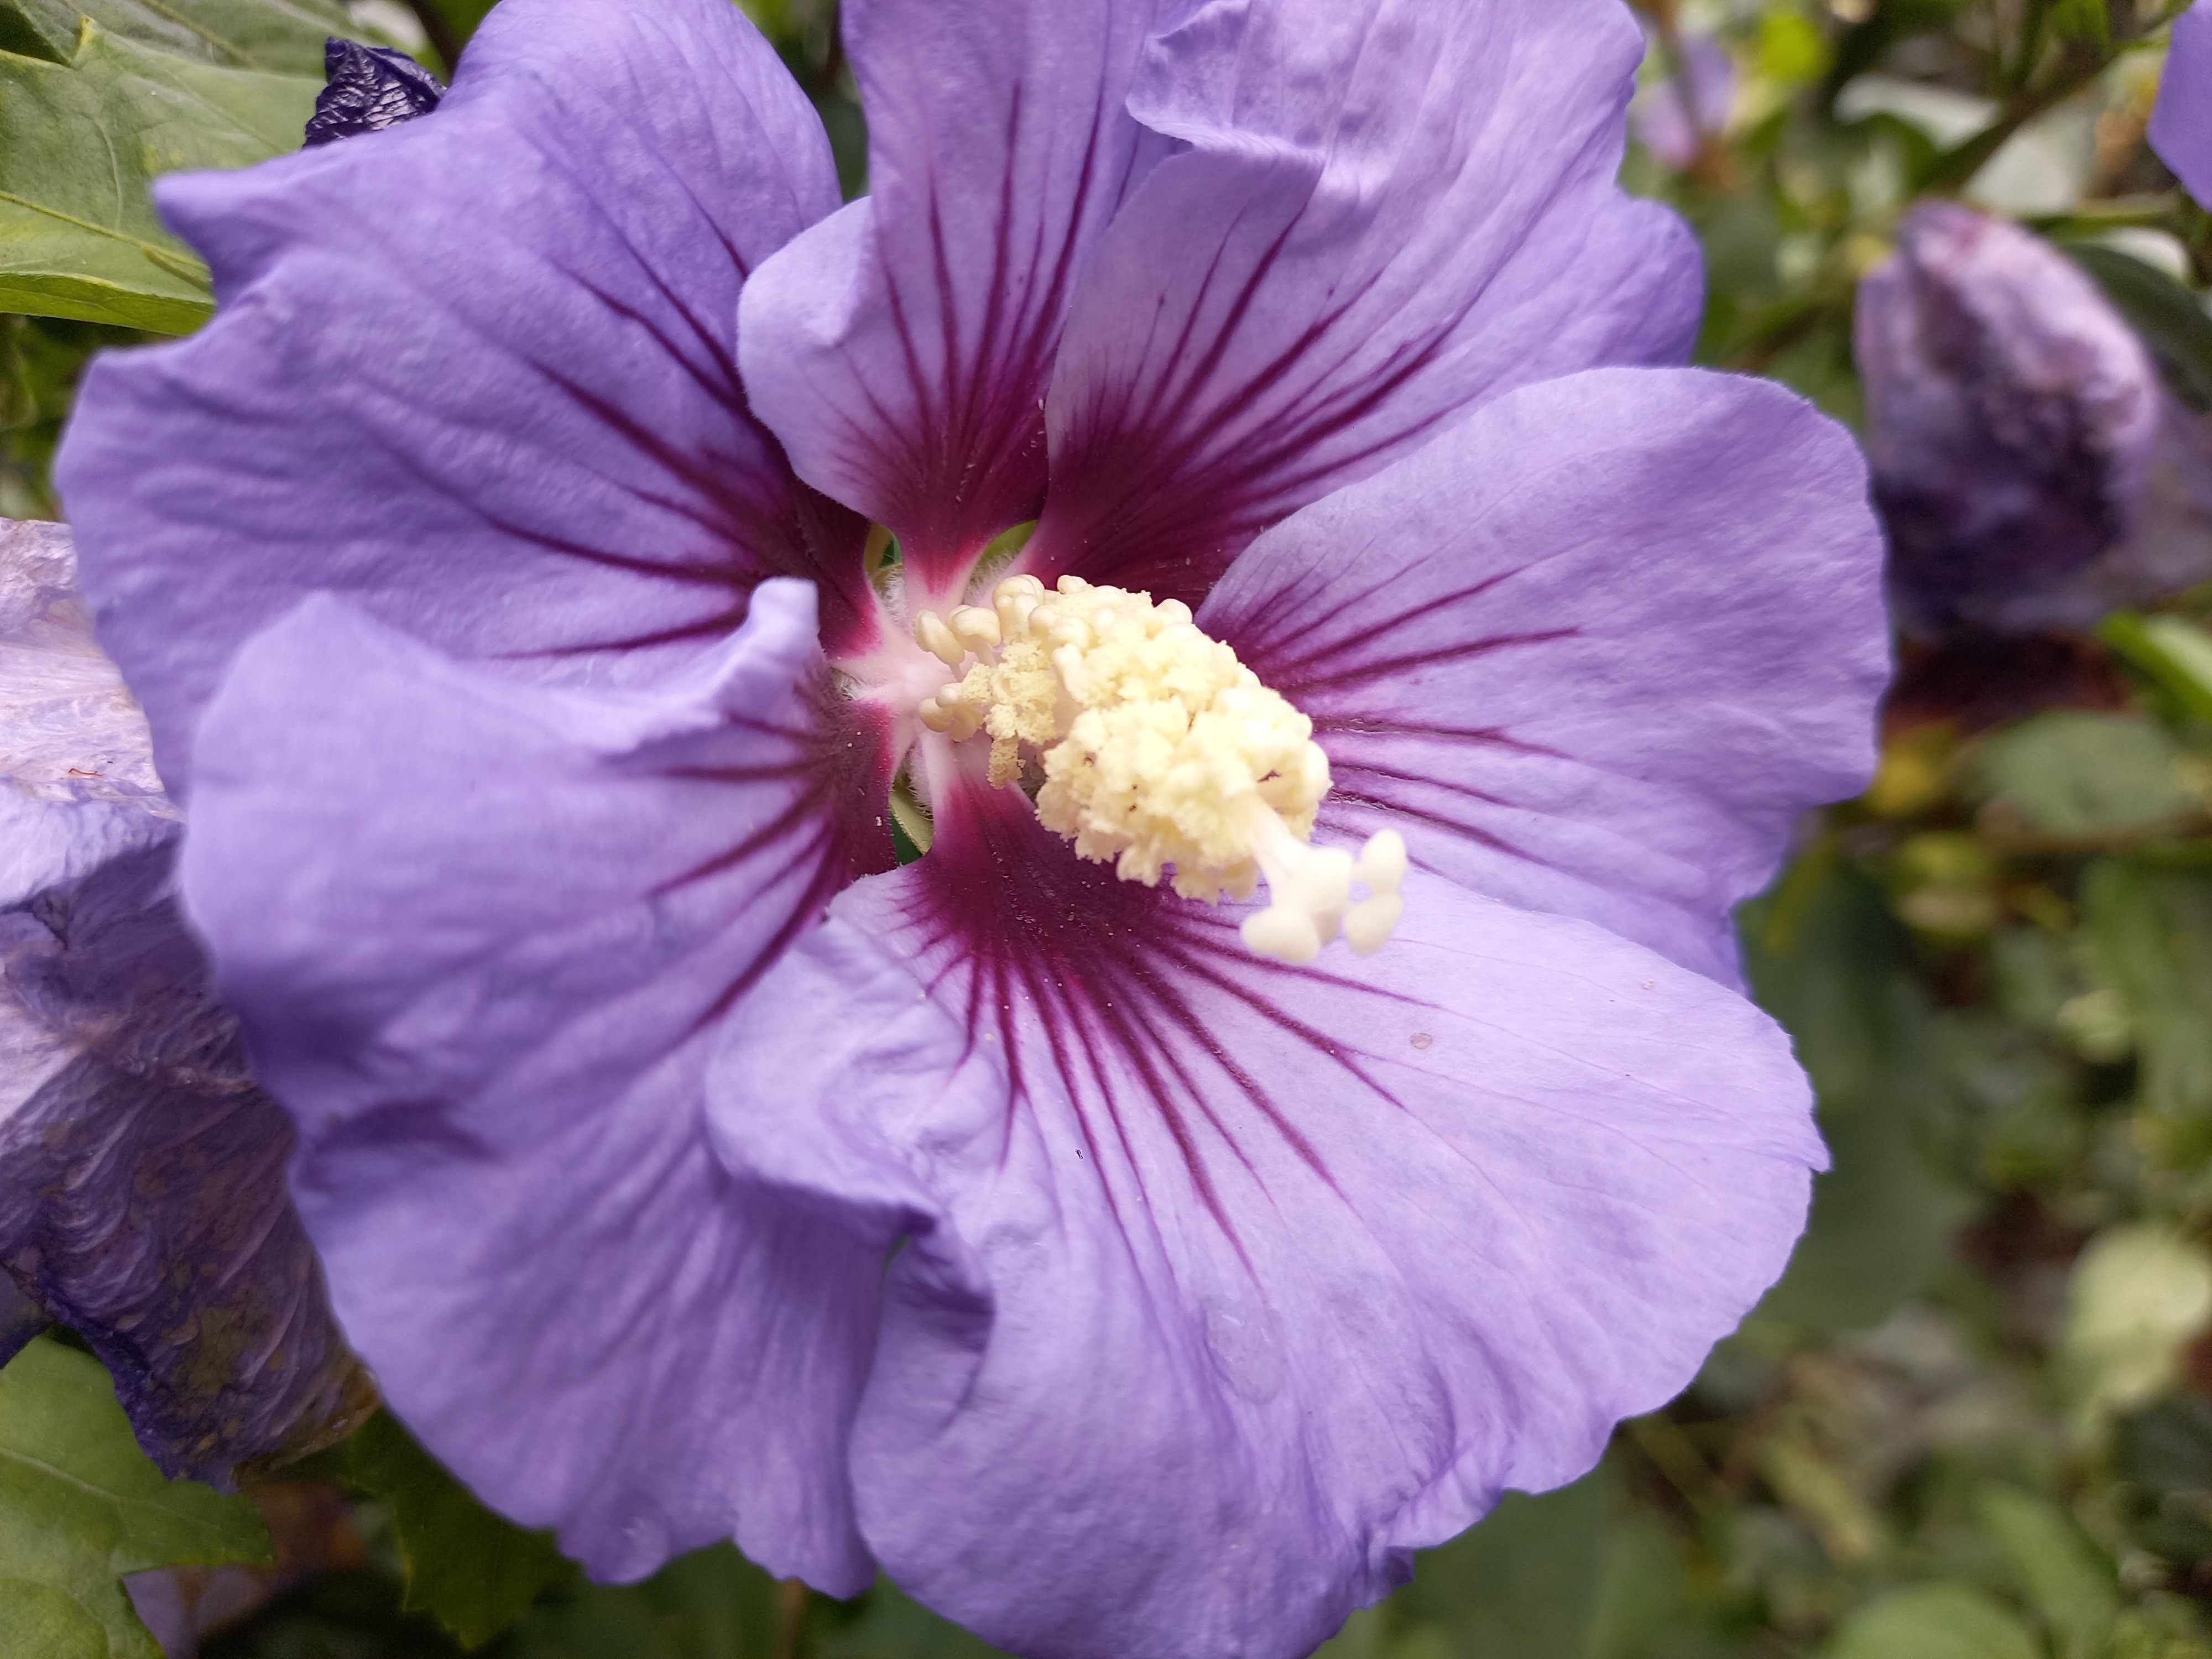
1975	1419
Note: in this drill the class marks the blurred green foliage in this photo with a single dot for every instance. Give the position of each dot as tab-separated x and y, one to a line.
1974	1420
80	1505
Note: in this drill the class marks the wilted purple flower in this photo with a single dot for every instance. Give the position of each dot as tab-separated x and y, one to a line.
1012	1225
142	1174
2012	420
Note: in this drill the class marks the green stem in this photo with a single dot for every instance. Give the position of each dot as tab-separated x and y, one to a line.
791	1599
440	34
2030	45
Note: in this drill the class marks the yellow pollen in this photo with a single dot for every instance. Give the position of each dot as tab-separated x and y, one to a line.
1159	751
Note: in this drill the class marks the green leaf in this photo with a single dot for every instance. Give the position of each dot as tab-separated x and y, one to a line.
2165	1453
81	142
283	37
1933	1621
472	1570
462	16
2137	1299
1520	1583
1824	958
1791	50
80	1505
2172	651
2073	773
2058	1568
1638	1594
2153	935
710	1604
2083	20
892	1624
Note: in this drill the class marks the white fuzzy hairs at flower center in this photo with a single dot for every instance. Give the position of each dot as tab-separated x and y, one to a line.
1159	748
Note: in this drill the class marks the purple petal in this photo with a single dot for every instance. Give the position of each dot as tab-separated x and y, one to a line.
478	372
1592	651
482	934
1390	211
1230	1285
77	779
143	1200
903	349
2181	121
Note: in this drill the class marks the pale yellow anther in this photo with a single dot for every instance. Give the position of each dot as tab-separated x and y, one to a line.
1013	600
1151	747
974	627
931	633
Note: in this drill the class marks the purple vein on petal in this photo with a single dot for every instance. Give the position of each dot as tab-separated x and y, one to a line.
972	458
1295	686
751	539
840	755
1164	540
1108	971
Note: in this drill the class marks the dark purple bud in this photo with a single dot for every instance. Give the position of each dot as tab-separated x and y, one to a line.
370	88
2011	418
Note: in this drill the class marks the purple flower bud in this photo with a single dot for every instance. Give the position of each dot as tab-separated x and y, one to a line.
2011	418
369	88
1673	117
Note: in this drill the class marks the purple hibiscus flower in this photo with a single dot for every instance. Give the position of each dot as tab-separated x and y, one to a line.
2181	122
1125	1272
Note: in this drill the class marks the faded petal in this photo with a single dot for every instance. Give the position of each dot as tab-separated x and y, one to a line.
1592	651
142	1174
2181	123
1388	211
143	1200
902	350
477	373
76	776
482	934
1227	1285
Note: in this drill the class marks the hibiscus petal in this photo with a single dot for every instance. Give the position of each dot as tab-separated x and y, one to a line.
2181	121
478	371
902	350
1390	210
1228	1285
481	933
1592	651
77	781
